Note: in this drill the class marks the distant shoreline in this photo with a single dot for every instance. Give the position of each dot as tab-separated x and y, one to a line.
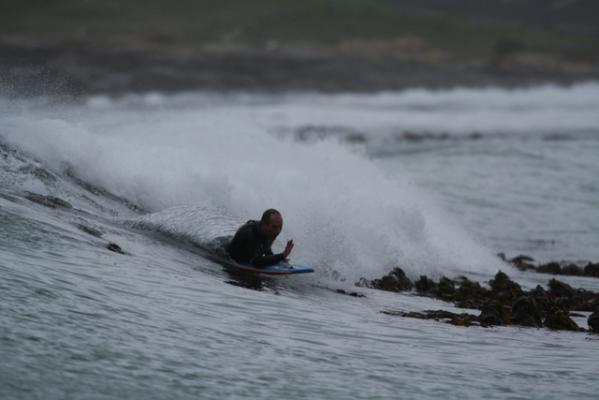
32	70
314	45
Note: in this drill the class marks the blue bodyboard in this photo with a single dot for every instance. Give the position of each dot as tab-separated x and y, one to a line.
277	269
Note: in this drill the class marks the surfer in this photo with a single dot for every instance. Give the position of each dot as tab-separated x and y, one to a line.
252	242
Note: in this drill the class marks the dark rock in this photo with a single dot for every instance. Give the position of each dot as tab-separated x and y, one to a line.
494	313
588	304
592	270
561	289
525	312
522	258
468	303
504	289
505	303
352	294
395	281
411	314
438	315
115	247
425	285
47	201
470	294
558	320
575	315
572	269
563	303
523	262
593	321
550	268
452	318
88	229
539	291
542	300
446	289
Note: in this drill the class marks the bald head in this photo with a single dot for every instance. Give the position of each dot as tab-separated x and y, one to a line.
271	223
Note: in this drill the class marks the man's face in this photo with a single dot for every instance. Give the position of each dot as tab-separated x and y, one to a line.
273	227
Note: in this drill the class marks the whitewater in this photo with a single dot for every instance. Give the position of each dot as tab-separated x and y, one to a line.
436	182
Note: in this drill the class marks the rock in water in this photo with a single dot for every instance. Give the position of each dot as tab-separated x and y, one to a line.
550	268
426	286
446	289
47	201
504	289
558	320
115	247
561	289
573	270
592	270
523	262
494	313
470	294
593	321
526	313
90	230
395	281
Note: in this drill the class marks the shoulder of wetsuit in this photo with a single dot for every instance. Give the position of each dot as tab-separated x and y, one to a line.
248	230
252	225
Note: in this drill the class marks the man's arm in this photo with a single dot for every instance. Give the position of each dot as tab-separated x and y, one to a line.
272	259
267	261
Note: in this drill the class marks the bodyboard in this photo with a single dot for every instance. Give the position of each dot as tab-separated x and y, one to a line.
277	269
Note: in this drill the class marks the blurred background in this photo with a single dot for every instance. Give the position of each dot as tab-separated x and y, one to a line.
87	46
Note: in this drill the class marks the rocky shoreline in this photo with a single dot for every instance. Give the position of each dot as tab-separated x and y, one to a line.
77	69
503	303
527	263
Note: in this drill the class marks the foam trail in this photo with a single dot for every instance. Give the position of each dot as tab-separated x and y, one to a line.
200	151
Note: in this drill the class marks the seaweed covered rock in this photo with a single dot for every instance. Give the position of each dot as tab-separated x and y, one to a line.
90	230
525	312
526	263
426	286
592	270
572	269
494	313
561	289
593	321
394	281
446	289
558	320
522	262
504	303
550	268
586	301
47	201
504	289
438	315
470	294
352	294
115	248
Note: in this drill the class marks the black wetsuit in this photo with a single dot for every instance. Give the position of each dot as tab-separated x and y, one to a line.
249	246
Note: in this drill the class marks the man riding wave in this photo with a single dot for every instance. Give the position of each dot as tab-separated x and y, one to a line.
252	241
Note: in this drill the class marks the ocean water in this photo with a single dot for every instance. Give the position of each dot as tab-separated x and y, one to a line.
437	182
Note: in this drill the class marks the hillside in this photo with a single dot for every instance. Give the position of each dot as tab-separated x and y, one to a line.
281	44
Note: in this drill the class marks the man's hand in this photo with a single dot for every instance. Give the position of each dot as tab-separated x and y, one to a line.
288	248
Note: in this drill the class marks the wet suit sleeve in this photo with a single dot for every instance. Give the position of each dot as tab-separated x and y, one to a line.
268	260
